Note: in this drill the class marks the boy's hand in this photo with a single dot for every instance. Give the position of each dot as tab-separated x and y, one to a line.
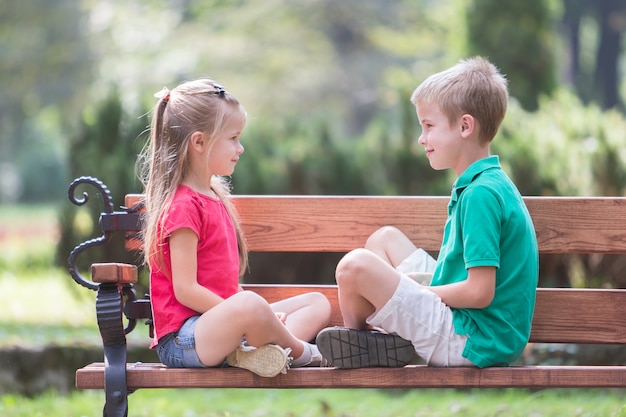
422	278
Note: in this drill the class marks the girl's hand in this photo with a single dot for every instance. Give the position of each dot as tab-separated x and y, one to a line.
282	317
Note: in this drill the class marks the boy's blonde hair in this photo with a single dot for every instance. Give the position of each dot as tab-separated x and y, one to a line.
194	106
474	86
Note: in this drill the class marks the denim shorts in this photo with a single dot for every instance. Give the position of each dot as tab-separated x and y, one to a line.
178	349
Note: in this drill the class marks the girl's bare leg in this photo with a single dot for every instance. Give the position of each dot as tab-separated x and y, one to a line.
219	331
307	314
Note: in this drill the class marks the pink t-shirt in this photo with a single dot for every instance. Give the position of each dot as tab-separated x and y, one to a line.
218	257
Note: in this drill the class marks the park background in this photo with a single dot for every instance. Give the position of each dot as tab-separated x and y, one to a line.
326	84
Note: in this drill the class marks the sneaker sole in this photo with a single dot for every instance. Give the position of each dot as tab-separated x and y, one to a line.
350	348
266	361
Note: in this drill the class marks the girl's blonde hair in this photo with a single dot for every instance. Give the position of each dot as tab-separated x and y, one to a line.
473	86
194	106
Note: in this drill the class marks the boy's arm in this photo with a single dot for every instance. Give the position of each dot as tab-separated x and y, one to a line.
477	291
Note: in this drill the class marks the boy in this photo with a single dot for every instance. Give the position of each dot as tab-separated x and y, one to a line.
477	311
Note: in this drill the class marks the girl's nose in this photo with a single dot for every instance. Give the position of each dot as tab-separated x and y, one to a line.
240	149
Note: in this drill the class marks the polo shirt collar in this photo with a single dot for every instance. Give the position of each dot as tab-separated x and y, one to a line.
473	171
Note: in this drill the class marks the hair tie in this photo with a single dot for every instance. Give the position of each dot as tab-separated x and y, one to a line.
219	89
164	95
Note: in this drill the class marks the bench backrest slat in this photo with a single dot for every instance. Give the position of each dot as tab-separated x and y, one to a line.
558	317
342	223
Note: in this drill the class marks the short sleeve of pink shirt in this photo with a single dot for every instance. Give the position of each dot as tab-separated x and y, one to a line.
217	255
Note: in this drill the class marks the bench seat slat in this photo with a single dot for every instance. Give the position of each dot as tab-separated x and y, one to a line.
149	375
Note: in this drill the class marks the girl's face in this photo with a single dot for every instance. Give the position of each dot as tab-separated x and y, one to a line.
227	148
440	137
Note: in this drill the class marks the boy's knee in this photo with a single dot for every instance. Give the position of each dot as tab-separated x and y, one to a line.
382	235
378	242
351	266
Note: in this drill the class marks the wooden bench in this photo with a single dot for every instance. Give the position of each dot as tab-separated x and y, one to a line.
339	224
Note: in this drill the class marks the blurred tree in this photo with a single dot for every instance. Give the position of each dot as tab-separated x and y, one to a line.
598	80
518	38
343	60
44	61
106	147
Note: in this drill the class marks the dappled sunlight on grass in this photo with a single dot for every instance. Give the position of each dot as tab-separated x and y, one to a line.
45	298
49	308
43	309
28	236
40	304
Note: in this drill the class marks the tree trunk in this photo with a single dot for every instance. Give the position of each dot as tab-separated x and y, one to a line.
612	23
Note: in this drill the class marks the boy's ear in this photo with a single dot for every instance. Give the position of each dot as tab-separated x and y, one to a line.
468	124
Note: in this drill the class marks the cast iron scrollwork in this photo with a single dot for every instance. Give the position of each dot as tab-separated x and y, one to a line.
108	208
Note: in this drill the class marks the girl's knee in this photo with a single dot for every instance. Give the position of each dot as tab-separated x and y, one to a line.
250	304
314	298
320	304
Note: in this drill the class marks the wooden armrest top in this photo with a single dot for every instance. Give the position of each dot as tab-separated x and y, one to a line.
111	273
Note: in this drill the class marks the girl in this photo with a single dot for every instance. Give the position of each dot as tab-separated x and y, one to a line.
196	250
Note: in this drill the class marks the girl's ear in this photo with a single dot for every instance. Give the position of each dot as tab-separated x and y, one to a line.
468	123
197	141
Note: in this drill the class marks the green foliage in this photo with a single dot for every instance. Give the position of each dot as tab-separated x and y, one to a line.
106	147
44	70
313	157
518	38
564	148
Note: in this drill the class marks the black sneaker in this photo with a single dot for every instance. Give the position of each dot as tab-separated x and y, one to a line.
350	348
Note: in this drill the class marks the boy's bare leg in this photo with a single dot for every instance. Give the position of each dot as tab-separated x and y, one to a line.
367	279
390	244
366	282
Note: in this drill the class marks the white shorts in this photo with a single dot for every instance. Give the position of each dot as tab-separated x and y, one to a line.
419	266
417	314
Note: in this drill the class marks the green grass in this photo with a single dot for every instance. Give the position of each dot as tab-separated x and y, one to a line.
42	306
49	308
331	403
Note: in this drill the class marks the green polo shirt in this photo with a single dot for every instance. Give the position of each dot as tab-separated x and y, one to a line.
489	225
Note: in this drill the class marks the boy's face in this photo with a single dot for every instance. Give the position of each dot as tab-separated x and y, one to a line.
440	138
